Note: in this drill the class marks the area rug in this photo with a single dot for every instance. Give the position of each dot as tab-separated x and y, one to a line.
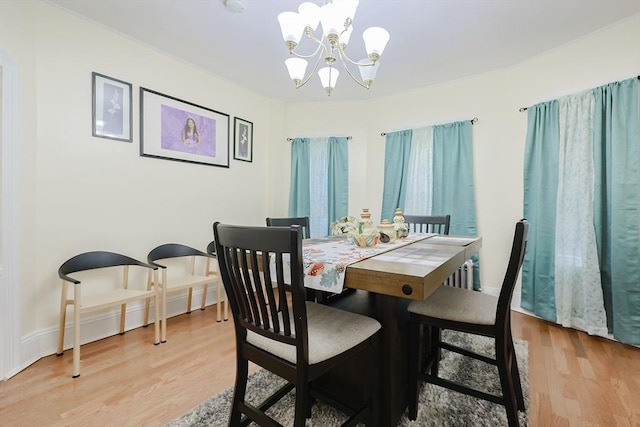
437	406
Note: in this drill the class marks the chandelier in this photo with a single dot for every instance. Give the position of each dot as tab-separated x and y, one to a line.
336	17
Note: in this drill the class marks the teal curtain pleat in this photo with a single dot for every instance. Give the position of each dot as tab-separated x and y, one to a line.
299	200
616	211
338	179
453	188
540	192
396	160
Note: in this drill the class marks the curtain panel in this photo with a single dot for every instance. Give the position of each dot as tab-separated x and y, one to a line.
322	195
299	197
396	159
429	171
581	197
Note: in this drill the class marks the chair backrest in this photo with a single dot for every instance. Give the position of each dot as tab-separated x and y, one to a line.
428	224
211	247
513	269
279	312
286	222
172	250
93	260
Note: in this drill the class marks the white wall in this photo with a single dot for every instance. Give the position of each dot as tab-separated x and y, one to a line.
79	193
609	55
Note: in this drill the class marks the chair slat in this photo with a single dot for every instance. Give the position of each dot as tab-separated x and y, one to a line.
428	223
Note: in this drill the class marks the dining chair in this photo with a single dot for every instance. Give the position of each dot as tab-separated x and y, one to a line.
474	313
428	223
184	277
277	329
303	222
213	269
312	294
105	294
286	222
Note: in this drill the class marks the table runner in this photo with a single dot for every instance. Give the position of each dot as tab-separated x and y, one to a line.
325	260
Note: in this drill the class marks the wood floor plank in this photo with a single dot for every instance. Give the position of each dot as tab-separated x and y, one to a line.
574	379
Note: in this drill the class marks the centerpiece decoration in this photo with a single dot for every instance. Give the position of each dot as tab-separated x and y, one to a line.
366	235
401	227
345	225
388	229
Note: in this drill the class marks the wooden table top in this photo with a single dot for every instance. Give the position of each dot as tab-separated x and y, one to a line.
413	271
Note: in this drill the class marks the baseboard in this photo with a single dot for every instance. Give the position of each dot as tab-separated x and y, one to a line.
100	325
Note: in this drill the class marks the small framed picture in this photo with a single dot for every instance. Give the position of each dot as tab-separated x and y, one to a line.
112	108
242	140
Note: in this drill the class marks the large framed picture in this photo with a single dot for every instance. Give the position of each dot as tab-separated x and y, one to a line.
174	129
111	108
242	139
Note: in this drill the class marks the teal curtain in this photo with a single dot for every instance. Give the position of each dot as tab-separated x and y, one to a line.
396	161
540	191
299	200
615	187
616	212
453	189
338	179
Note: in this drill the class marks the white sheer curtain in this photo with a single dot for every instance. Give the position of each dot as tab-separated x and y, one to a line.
420	173
318	180
578	291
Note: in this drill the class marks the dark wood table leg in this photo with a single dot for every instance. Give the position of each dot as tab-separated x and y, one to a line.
392	314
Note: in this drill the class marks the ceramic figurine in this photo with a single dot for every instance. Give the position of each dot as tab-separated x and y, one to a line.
402	230
387	228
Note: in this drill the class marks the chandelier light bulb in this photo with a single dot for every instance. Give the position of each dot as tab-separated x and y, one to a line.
375	40
368	71
291	27
297	67
328	78
310	15
332	20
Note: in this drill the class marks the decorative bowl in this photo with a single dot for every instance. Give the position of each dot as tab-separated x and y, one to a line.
365	240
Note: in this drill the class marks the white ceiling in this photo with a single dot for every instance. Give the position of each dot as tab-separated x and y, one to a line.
432	41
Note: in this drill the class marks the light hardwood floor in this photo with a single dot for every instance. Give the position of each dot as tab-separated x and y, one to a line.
575	379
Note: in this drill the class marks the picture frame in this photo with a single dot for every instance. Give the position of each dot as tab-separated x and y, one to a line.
111	112
242	139
173	129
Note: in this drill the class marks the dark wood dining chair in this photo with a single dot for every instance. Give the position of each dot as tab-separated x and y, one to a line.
312	294
286	222
276	328
428	223
474	313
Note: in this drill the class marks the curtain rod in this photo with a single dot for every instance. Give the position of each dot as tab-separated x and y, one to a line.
473	122
523	109
291	139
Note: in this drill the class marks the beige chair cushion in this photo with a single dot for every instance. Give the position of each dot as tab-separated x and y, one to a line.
331	332
460	305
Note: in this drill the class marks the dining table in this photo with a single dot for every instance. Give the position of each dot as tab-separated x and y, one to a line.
380	282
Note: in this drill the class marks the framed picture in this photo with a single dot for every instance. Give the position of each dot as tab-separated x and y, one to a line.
111	112
242	139
173	129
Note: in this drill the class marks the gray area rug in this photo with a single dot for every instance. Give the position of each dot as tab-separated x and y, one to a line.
437	406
